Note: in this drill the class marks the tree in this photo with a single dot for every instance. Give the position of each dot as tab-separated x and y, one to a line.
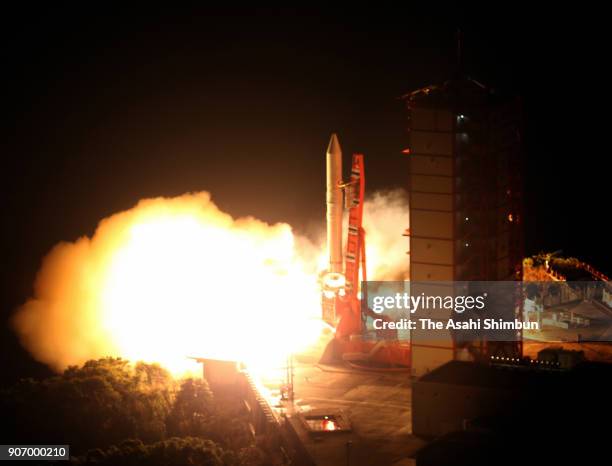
99	404
114	412
174	451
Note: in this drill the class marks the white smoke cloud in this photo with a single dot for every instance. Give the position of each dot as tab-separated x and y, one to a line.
385	218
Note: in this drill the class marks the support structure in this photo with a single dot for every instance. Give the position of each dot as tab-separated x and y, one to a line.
464	185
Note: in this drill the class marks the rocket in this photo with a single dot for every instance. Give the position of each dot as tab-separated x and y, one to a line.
334	205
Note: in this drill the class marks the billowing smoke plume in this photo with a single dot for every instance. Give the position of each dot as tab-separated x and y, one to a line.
171	278
385	218
174	277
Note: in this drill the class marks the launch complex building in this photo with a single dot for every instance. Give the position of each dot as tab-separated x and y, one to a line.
357	400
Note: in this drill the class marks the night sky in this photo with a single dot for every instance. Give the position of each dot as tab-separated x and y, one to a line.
103	108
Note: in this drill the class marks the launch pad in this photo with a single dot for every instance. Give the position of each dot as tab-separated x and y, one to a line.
336	414
349	398
376	405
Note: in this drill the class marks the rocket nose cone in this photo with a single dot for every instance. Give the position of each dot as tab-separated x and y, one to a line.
334	145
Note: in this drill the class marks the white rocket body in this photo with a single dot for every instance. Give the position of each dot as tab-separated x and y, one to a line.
334	205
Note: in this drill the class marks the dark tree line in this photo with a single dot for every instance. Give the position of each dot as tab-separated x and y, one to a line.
112	412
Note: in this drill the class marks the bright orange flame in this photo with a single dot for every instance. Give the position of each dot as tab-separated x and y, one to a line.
173	278
329	425
226	293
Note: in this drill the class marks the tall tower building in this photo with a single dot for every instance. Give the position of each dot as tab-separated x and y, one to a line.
464	186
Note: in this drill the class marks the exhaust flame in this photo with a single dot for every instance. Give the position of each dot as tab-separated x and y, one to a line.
177	277
171	278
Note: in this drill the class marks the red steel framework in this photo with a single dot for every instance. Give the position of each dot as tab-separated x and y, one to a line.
351	320
350	342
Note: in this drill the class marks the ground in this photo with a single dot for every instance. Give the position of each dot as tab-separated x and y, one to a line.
377	404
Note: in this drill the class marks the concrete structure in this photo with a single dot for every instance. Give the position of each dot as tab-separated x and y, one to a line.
337	416
527	412
465	197
565	359
219	374
377	405
458	394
